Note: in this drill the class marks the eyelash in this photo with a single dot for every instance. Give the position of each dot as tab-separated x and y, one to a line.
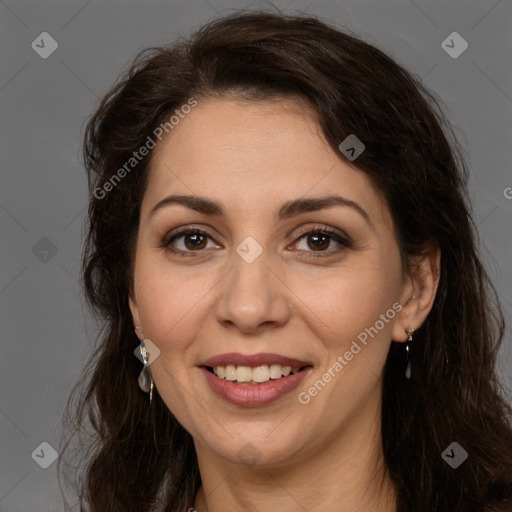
342	240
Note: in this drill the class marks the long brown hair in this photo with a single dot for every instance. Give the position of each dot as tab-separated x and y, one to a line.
139	458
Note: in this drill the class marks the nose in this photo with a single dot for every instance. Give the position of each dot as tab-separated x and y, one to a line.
252	297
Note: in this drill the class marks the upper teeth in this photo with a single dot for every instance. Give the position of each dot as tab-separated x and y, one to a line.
258	374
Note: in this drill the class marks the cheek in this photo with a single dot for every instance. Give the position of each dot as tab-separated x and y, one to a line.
166	299
167	304
352	317
345	304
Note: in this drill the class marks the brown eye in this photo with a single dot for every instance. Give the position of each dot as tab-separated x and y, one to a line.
322	242
318	241
188	241
194	241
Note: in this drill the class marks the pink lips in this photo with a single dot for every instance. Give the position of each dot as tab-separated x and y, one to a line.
253	360
247	395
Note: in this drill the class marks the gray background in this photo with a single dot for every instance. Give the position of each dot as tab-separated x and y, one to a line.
45	331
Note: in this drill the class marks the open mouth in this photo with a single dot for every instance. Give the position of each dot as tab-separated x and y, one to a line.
254	375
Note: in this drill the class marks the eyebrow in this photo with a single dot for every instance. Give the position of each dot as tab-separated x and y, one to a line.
286	211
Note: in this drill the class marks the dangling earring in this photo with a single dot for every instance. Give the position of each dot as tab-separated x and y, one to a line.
409	332
145	379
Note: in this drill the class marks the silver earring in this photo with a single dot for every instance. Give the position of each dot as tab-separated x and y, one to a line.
145	379
409	332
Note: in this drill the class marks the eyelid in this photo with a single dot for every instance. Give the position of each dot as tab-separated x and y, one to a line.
304	230
184	230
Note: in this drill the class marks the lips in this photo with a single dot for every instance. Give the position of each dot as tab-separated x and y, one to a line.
253	393
253	360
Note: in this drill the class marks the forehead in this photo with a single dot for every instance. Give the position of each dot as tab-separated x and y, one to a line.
253	153
240	134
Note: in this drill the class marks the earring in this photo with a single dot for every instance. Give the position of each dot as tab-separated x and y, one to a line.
145	379
409	332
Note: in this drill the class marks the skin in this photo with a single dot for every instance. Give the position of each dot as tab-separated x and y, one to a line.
252	157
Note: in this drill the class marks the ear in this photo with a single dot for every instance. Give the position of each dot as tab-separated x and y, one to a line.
135	314
419	292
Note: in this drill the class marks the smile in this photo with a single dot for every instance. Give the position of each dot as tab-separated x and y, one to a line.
253	380
253	376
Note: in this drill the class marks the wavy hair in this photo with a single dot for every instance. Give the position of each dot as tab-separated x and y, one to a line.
138	457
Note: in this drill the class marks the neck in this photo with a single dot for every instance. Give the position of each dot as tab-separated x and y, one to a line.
347	474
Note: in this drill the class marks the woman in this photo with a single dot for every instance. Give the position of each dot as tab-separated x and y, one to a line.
279	231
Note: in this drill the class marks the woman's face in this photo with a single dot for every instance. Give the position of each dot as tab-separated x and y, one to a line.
275	278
